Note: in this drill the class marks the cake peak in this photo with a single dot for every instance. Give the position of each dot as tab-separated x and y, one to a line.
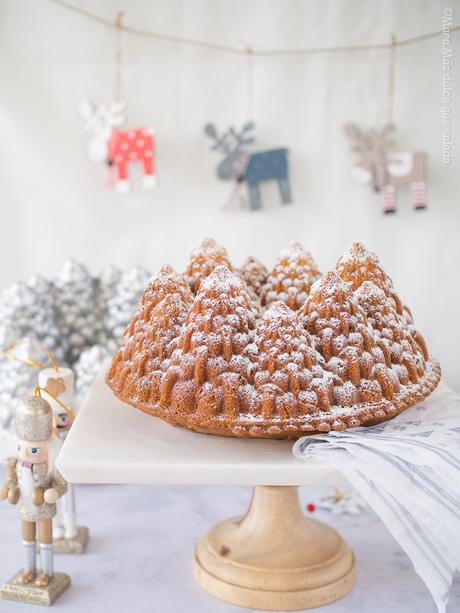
167	281
203	260
359	265
291	277
221	279
254	274
295	250
330	287
278	309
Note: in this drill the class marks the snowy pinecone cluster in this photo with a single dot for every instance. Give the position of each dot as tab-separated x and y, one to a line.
79	318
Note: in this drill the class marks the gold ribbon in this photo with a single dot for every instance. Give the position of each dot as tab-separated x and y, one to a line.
38	390
12	357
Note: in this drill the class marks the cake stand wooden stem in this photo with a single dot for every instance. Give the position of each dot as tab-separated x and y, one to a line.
274	557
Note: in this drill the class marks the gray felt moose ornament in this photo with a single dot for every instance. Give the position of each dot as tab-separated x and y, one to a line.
242	166
386	171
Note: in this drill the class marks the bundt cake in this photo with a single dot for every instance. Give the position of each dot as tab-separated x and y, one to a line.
215	363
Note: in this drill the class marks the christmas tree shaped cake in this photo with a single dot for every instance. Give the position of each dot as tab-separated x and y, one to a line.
150	339
214	364
347	344
291	380
203	260
254	274
359	266
373	377
291	278
209	381
403	348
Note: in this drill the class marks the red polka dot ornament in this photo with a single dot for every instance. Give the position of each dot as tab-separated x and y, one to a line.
118	148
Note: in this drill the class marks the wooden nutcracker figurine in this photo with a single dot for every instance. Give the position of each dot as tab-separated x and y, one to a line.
60	385
34	484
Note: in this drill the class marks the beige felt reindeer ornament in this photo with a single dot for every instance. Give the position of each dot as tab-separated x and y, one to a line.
386	171
380	167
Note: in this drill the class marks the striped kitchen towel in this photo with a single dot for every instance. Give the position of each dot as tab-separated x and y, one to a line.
408	471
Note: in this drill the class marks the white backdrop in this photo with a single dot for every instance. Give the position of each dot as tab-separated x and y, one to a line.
53	202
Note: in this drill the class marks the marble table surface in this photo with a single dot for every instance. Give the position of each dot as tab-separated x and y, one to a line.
142	538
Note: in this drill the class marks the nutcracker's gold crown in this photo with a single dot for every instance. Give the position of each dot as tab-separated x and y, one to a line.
33	419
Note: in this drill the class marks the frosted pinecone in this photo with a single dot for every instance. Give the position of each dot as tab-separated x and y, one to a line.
86	368
122	305
75	299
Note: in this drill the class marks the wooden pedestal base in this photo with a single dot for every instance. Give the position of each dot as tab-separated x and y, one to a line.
274	557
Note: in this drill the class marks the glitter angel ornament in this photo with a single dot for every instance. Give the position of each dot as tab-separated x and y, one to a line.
34	485
58	387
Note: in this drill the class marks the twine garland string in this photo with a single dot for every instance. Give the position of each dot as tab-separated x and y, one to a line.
391	78
249	74
237	50
248	51
118	87
250	82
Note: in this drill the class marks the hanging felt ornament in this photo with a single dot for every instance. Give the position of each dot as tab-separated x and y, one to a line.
386	170
108	143
240	165
383	169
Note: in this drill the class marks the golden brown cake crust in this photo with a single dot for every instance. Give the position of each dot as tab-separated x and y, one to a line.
350	356
294	428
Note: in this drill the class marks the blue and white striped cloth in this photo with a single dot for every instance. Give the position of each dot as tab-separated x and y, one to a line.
408	471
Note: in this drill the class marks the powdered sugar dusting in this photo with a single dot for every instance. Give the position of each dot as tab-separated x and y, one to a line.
348	356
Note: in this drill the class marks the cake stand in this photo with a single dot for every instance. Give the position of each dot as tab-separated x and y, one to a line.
273	557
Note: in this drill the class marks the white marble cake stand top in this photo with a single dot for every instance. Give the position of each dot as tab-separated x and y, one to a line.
112	442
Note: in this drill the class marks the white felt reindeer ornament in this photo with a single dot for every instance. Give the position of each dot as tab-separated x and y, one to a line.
118	148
